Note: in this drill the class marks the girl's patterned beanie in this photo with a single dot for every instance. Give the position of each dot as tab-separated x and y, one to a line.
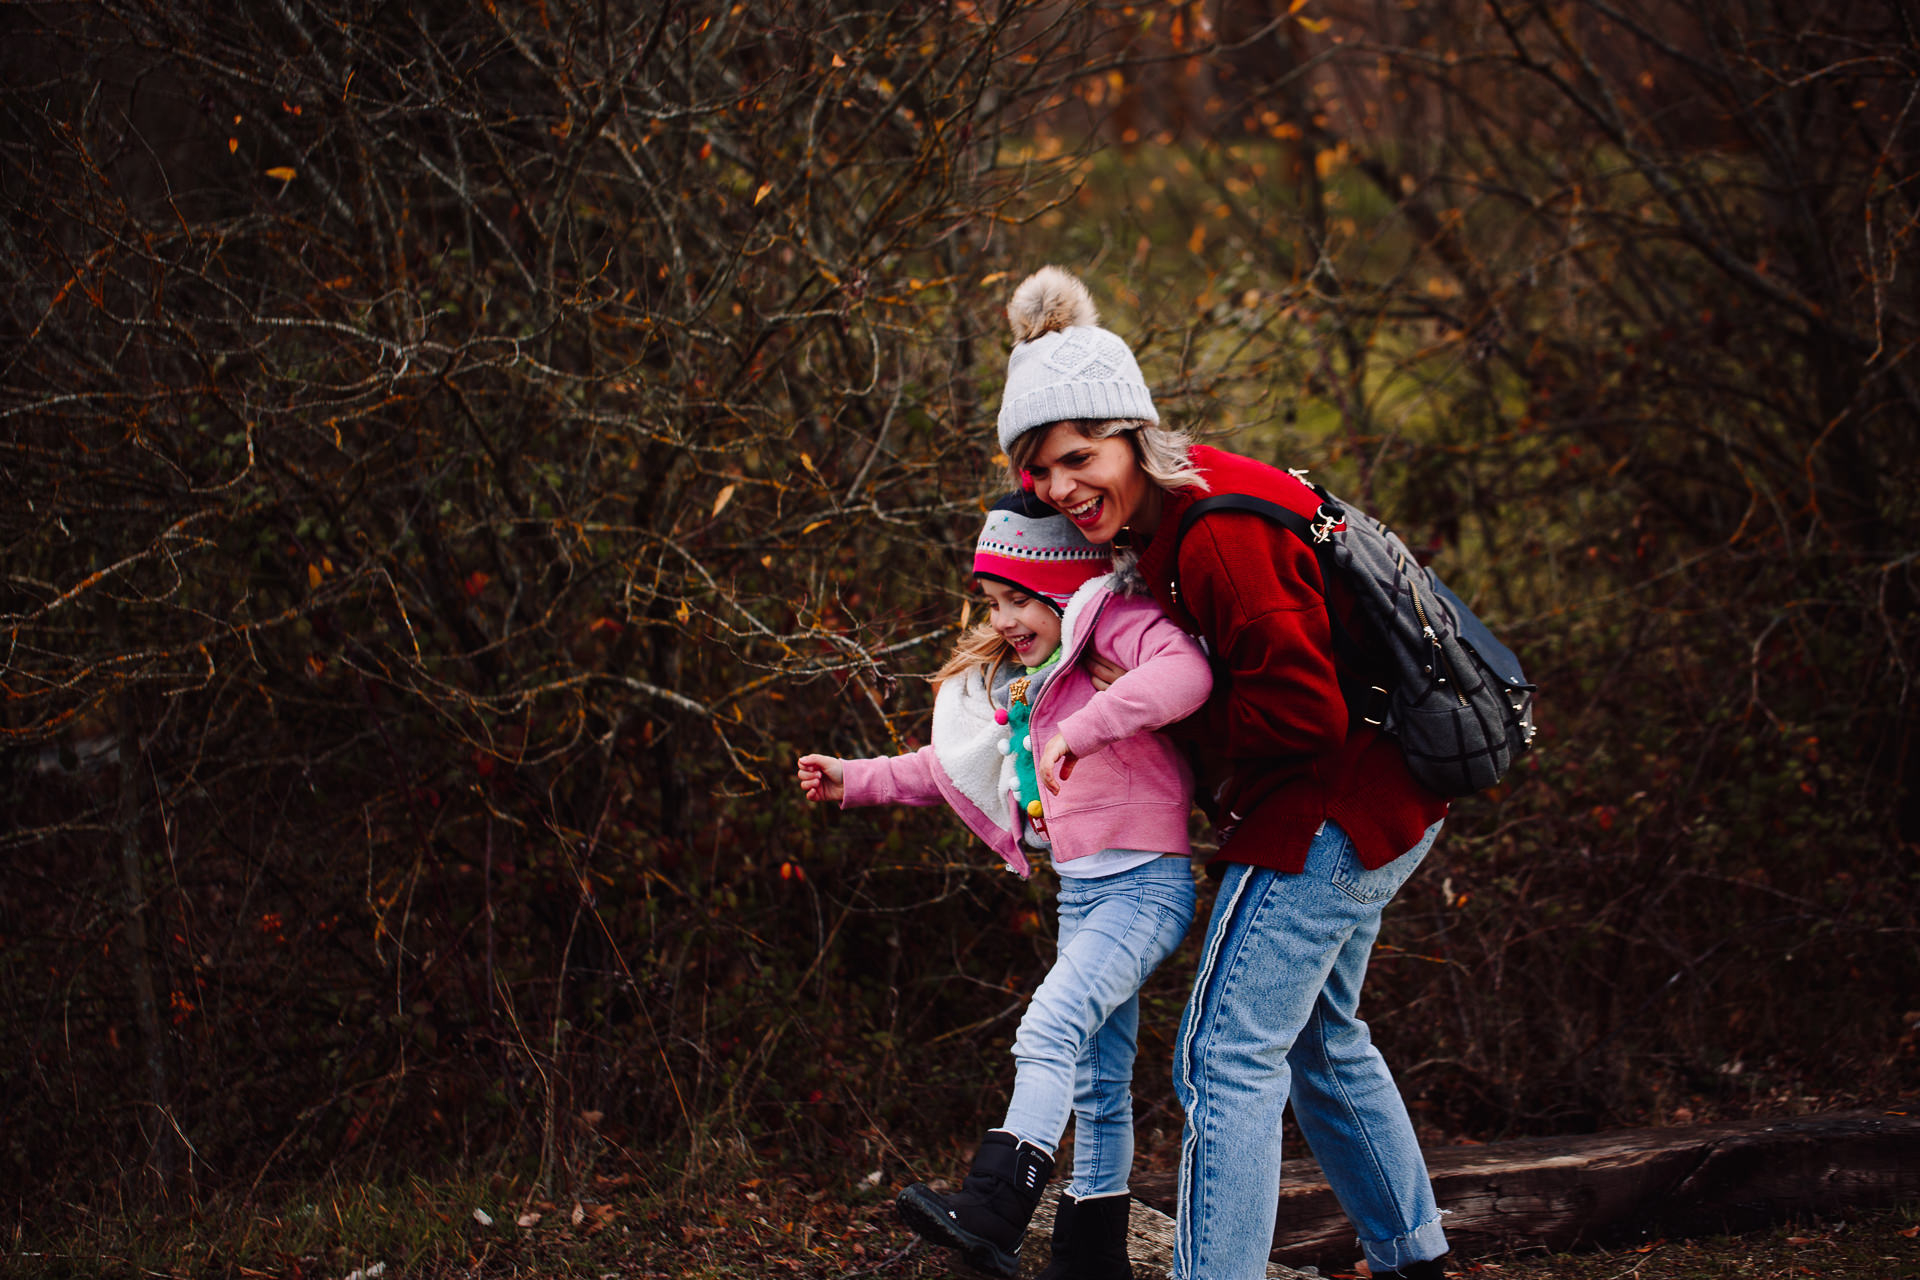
1027	544
1064	366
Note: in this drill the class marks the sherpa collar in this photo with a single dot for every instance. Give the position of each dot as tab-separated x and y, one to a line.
966	737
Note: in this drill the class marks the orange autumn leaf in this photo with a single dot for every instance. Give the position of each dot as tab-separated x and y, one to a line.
282	172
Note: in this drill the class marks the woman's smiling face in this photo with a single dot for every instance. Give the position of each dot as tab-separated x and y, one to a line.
1024	620
1097	484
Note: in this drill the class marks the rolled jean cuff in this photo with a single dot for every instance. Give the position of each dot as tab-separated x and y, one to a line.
1423	1244
1051	1148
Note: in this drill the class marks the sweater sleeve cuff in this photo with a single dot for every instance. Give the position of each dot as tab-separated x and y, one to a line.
863	782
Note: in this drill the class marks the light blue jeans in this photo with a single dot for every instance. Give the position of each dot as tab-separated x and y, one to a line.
1074	1051
1272	1019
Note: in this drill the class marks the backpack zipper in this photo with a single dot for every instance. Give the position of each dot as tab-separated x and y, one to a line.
1426	629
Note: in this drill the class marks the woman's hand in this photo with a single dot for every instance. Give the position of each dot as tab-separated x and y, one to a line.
823	778
1103	670
1055	754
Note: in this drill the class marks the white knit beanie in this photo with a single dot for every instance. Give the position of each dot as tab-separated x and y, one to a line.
1064	366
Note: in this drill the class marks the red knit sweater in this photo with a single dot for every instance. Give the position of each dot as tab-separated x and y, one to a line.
1277	755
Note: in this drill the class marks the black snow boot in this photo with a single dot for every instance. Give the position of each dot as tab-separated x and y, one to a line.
986	1217
1428	1270
1090	1239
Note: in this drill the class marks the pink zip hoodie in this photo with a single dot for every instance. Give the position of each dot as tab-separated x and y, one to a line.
1130	787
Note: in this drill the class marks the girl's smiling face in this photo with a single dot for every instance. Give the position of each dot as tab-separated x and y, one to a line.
1024	620
1097	484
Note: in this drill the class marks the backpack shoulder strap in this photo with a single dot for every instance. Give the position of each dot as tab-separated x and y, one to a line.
1364	697
1314	535
1285	516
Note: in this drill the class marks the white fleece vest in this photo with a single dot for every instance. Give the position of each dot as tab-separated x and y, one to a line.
966	737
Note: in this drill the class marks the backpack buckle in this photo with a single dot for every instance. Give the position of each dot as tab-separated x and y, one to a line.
1327	522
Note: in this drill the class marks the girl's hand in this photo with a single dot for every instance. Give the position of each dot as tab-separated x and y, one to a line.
1055	754
823	778
1103	670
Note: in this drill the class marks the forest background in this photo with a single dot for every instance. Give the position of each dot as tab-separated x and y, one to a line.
457	456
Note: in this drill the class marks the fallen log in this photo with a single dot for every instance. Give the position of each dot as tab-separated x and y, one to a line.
1608	1188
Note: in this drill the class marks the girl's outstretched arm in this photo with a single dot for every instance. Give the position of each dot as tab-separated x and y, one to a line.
823	778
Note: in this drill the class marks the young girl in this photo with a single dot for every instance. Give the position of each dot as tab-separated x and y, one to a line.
1116	830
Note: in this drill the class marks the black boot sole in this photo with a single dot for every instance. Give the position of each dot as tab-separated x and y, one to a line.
927	1218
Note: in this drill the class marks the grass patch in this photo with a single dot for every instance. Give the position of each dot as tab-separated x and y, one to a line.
341	1228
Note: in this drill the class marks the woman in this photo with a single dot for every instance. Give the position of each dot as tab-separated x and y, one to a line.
1318	821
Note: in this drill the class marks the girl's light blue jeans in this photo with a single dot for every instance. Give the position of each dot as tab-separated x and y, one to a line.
1271	1019
1074	1051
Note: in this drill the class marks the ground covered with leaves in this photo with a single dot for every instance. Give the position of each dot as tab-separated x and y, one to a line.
501	1228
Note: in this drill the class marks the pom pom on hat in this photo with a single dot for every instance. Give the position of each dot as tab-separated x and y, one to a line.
1048	301
1064	366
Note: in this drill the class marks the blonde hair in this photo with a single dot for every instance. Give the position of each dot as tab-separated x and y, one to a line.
1160	451
979	646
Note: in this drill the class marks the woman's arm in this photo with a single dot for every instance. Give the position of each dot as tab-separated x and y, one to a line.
1165	678
1102	669
1256	592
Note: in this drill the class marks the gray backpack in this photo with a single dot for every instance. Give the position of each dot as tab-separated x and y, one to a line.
1436	679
